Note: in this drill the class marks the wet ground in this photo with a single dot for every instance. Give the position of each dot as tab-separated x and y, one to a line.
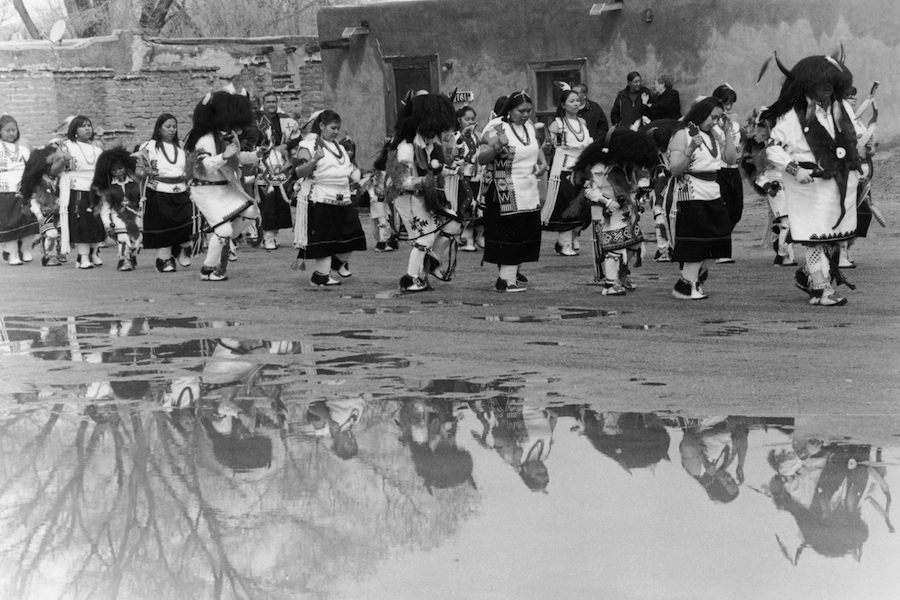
167	438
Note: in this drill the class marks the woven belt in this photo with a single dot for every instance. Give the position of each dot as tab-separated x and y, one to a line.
200	182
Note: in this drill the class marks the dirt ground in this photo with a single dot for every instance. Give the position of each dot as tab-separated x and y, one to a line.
754	347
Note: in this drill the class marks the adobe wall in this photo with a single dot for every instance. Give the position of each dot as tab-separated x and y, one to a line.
123	82
701	43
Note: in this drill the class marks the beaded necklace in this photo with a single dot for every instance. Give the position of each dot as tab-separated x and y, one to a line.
13	154
162	148
527	140
579	134
91	162
713	149
339	155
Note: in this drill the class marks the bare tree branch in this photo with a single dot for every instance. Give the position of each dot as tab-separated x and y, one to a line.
26	19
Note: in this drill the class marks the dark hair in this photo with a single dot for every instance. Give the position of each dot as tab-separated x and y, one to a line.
725	93
631	76
580	86
462	112
350	146
851	92
498	104
700	111
560	111
514	101
326	117
9	119
269	94
77	122
157	131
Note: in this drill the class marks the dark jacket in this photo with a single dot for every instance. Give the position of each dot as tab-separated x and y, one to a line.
595	118
626	111
666	106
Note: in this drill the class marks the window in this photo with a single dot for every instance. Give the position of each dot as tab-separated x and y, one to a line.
546	92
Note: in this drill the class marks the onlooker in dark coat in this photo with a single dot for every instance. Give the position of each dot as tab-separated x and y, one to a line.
592	113
667	103
631	103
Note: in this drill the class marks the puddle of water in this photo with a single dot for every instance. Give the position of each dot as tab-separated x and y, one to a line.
354	334
566	314
639	326
384	295
455	303
726	331
386	310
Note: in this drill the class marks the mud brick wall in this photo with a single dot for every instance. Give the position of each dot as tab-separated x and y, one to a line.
124	82
30	96
141	97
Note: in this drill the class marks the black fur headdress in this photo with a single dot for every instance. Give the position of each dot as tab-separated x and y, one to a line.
626	149
428	114
103	173
801	81
220	111
38	164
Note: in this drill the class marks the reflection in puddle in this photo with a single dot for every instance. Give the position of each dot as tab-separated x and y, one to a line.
238	470
294	497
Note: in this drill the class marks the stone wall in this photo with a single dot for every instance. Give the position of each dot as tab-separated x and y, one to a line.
124	82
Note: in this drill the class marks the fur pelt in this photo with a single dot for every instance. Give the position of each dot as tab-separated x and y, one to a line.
396	172
753	156
37	180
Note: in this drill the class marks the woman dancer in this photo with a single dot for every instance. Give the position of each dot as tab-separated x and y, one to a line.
330	221
18	225
612	177
729	175
701	225
82	224
168	213
569	135
415	170
512	220
215	168
116	185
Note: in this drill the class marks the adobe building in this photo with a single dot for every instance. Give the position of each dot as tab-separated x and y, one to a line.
372	54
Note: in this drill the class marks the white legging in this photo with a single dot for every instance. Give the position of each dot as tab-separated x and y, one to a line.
217	239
